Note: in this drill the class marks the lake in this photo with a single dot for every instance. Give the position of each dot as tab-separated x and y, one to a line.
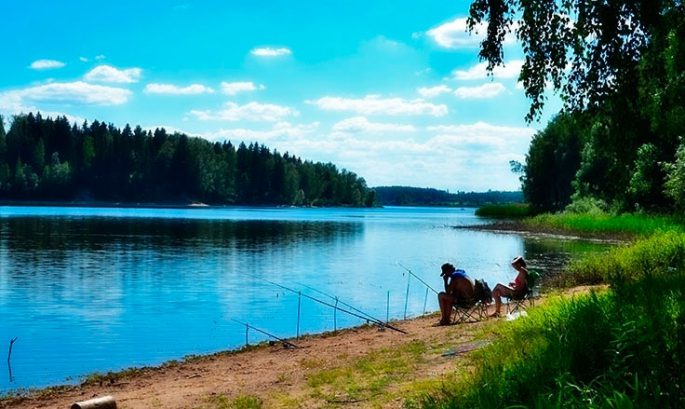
96	289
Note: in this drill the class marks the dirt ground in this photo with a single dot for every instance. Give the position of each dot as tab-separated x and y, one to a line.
273	375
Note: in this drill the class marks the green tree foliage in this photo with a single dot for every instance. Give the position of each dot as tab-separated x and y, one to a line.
49	159
586	49
620	65
675	181
551	164
646	185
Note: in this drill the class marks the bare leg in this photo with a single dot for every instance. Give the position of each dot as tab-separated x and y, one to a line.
445	300
500	291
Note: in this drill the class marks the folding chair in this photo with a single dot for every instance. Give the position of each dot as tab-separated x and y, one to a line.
469	311
520	302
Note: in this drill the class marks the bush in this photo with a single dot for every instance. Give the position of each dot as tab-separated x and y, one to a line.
508	211
587	205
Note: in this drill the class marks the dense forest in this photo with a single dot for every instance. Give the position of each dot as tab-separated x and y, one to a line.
51	159
416	196
618	143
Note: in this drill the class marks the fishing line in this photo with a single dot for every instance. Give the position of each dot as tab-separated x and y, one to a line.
332	297
417	277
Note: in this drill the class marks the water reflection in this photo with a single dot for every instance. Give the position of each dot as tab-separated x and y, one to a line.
550	256
60	235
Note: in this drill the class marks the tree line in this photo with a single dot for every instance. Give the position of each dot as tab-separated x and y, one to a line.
619	67
52	159
416	196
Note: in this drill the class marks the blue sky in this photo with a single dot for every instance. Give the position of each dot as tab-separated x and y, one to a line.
391	90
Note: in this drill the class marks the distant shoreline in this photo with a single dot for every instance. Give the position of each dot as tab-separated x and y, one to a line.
47	203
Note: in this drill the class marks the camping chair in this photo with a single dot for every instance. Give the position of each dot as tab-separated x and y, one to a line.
469	311
527	299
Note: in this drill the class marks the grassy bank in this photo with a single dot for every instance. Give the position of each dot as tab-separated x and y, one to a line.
605	224
621	348
594	224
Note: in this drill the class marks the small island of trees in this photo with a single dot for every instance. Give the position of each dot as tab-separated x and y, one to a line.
45	159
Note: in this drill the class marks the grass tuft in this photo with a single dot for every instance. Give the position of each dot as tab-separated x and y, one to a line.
504	211
239	402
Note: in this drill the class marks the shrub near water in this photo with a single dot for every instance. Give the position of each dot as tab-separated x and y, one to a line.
508	211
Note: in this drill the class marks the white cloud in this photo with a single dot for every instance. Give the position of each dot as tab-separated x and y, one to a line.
107	73
484	128
83	59
270	51
46	64
470	142
478	155
100	57
432	92
78	92
170	89
233	88
485	91
253	111
479	71
280	131
454	34
375	105
360	124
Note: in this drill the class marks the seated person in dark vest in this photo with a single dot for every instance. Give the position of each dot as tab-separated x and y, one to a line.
458	288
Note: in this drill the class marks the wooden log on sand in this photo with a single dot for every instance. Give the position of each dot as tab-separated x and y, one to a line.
105	402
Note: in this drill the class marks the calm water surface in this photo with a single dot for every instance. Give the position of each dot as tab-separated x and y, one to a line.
95	289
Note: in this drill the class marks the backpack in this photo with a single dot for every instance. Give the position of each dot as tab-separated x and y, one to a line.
482	292
533	278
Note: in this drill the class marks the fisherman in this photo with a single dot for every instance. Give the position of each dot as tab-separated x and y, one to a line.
459	287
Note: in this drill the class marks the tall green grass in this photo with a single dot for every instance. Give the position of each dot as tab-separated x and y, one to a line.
605	224
659	254
621	348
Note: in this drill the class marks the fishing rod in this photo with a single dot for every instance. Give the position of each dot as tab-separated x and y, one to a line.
375	321
417	277
288	344
369	317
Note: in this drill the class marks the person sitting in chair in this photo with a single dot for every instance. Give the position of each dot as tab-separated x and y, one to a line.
515	290
458	288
